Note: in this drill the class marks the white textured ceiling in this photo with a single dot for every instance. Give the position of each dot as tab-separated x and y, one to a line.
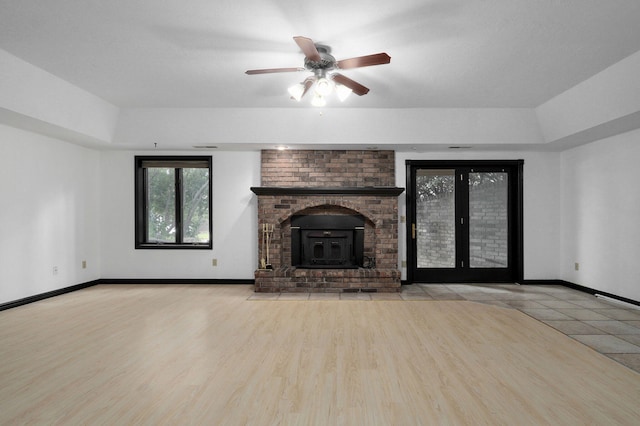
445	53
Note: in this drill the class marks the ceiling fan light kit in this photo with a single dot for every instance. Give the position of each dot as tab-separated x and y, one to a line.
318	100
318	59
323	87
343	92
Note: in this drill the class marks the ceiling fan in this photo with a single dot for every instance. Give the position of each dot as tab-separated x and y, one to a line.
318	59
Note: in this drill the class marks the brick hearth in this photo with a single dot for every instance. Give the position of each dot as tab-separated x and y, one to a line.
334	183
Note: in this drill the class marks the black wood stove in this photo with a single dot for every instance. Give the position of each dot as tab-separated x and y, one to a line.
327	241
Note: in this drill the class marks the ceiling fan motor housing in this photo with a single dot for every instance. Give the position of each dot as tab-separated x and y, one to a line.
326	63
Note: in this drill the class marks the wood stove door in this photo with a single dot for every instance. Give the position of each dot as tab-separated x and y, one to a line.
326	249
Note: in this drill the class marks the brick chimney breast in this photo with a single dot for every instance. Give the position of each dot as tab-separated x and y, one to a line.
313	182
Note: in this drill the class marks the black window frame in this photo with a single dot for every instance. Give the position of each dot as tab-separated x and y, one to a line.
177	162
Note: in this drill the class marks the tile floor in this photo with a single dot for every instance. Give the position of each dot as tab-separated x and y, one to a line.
609	327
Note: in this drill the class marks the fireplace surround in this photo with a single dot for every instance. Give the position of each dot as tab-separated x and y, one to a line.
322	203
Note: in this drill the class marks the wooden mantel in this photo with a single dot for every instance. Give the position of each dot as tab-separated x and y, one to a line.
382	191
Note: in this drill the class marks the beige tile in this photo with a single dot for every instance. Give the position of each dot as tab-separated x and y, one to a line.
558	304
463	288
591	303
620	314
573	327
497	303
583	314
631	338
524	304
478	296
442	293
413	288
451	296
614	327
607	344
630	360
435	288
545	314
537	296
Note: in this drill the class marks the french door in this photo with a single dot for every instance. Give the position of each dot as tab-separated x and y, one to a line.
464	221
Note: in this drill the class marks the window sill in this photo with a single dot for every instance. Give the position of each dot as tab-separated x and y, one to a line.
171	246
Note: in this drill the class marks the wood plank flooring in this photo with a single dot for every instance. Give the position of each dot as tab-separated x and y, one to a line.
206	355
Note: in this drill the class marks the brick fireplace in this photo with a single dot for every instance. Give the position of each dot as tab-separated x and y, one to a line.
314	189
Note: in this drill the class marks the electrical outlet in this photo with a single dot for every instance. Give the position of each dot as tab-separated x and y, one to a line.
404	263
403	219
214	262
84	264
577	266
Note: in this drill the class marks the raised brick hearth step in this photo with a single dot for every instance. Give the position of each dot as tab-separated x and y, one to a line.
327	280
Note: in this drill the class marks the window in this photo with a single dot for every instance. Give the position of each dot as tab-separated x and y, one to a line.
173	202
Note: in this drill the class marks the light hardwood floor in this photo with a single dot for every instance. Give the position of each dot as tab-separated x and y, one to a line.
206	355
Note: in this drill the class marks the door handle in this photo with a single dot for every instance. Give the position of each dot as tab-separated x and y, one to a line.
413	231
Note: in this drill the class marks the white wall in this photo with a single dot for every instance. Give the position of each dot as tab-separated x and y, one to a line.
50	214
600	215
541	205
234	218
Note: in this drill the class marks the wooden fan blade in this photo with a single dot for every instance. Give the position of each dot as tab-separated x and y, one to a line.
364	61
273	70
308	48
356	87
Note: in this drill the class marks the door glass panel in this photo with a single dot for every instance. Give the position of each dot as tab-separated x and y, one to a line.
488	220
435	218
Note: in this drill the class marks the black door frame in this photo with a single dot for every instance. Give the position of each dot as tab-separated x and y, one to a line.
516	229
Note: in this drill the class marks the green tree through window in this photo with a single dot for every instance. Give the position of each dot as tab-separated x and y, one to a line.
173	202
